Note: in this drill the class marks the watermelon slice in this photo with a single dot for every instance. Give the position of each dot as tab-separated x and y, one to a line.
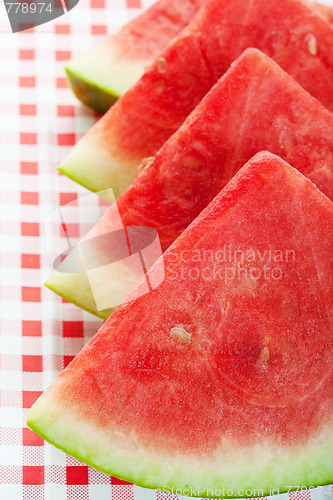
254	106
102	74
150	112
99	76
222	376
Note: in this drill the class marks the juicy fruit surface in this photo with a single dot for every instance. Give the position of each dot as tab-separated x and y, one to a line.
141	121
110	68
147	115
255	106
202	156
325	11
101	75
255	371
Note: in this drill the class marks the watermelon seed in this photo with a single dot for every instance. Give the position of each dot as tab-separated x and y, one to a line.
145	163
288	146
179	333
161	65
264	356
312	44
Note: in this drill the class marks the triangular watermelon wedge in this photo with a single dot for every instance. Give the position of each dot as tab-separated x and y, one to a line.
222	376
300	41
102	74
254	106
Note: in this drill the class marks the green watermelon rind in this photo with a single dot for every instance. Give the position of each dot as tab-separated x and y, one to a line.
256	468
63	170
99	84
82	298
91	93
105	172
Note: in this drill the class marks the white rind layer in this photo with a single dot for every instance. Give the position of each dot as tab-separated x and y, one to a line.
259	468
96	168
104	67
76	289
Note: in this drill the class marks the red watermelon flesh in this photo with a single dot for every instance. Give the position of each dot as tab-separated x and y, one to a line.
99	76
254	106
102	74
223	374
325	11
151	111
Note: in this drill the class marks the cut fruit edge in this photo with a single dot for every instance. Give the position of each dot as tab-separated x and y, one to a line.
62	285
271	463
105	72
79	293
238	469
99	89
103	158
90	93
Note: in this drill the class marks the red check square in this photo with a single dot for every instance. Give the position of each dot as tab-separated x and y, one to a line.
67	360
29	398
72	329
28	138
30	229
27	81
77	474
98	29
32	363
27	54
28	198
133	4
70	230
29	167
62	55
115	480
31	294
65	110
30	261
33	474
66	198
31	328
30	438
62	29
97	4
62	83
28	109
66	139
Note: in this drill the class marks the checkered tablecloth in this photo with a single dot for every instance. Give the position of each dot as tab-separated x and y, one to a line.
39	333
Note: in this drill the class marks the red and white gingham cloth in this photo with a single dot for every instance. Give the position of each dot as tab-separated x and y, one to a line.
39	333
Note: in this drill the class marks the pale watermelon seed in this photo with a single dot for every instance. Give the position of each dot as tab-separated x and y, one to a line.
161	65
264	356
179	333
312	44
